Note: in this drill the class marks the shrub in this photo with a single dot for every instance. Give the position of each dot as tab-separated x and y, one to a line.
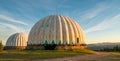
1	46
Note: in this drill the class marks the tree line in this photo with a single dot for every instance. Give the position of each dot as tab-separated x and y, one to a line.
114	49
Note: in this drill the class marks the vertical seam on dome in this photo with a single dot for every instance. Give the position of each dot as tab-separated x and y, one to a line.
21	37
45	29
45	37
32	33
19	41
60	29
39	31
82	34
56	36
12	44
78	32
8	41
65	30
74	29
15	39
25	41
70	30
50	31
42	32
22	41
80	37
54	29
63	36
25	38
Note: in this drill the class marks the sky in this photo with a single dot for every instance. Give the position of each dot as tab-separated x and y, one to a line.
100	19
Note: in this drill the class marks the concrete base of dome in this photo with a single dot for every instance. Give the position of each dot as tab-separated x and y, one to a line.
15	47
56	47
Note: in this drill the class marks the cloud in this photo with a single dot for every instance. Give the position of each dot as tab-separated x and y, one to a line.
93	12
50	5
4	17
105	24
15	28
11	29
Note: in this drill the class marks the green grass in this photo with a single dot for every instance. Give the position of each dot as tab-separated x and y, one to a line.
42	54
28	55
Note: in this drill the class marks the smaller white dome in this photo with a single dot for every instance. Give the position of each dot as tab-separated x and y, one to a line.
17	39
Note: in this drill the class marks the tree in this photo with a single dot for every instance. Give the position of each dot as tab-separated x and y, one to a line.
1	46
116	48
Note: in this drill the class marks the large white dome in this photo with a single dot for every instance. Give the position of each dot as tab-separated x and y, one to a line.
17	39
57	29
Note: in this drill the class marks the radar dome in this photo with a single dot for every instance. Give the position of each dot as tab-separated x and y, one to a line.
57	30
17	41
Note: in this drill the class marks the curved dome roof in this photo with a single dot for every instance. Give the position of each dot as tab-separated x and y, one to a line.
17	39
56	29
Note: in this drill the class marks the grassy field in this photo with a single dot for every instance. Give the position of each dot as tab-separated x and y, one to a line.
28	55
16	55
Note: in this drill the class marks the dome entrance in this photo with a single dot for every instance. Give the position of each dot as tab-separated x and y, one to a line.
77	40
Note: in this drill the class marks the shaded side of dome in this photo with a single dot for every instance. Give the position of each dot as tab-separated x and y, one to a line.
56	29
17	39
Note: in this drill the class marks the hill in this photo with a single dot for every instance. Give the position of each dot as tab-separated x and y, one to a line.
99	46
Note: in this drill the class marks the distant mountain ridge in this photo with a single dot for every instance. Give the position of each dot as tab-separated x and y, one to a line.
99	46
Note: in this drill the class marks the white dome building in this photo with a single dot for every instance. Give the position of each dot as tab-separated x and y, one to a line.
57	30
17	41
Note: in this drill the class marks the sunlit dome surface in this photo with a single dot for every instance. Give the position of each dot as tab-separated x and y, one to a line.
57	29
17	40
